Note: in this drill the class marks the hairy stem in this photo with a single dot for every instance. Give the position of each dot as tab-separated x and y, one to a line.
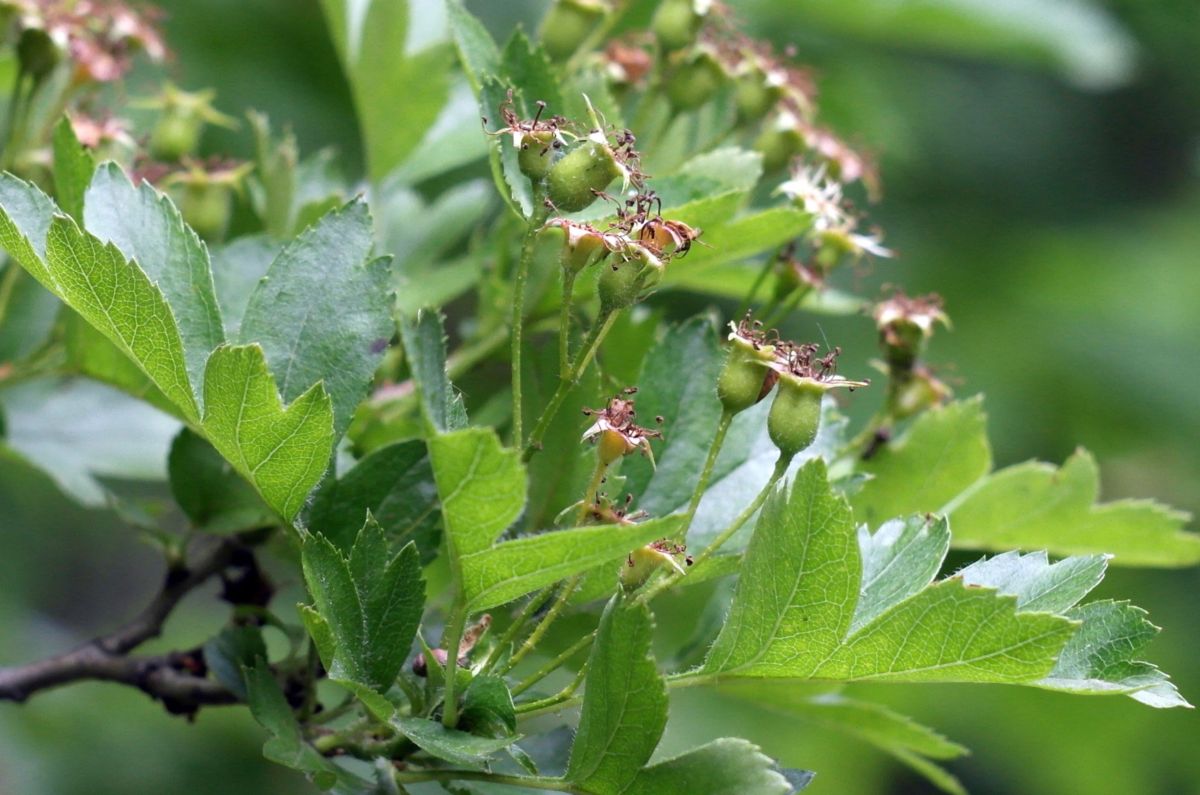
532	782
554	664
714	450
564	324
532	606
540	211
535	637
451	640
592	344
781	467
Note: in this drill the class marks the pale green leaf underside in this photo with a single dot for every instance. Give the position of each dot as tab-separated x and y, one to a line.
452	745
147	228
1037	506
282	451
624	705
728	766
899	559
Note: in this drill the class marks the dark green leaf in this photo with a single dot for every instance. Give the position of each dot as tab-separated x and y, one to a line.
231	652
425	347
371	602
73	167
393	483
624	704
488	707
477	51
210	491
322	314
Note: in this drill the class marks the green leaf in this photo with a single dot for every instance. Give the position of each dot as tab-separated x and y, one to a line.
1035	505
678	382
721	171
728	766
513	186
1099	658
398	94
624	704
528	71
147	228
210	491
79	433
455	746
951	632
798	587
371	602
477	51
286	745
90	353
899	559
506	571
282	451
482	486
425	347
96	280
1037	583
488	707
734	241
395	485
73	167
237	268
944	452
901	737
233	650
323	313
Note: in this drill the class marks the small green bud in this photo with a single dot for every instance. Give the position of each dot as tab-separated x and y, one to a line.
574	181
37	53
677	22
746	377
568	24
207	208
184	116
537	154
694	81
905	325
753	97
778	143
795	415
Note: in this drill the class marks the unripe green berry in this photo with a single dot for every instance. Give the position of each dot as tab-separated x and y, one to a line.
537	154
175	135
567	24
206	208
778	145
745	380
753	97
676	24
694	82
619	285
795	416
573	181
37	53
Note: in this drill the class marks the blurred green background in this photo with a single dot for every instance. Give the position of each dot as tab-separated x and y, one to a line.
1040	161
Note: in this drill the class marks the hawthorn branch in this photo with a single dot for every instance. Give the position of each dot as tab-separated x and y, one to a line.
175	678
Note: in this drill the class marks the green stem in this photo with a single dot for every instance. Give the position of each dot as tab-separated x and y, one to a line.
753	291
535	637
454	632
564	324
516	626
540	211
532	782
781	467
534	709
593	488
780	314
586	354
714	450
8	283
554	664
